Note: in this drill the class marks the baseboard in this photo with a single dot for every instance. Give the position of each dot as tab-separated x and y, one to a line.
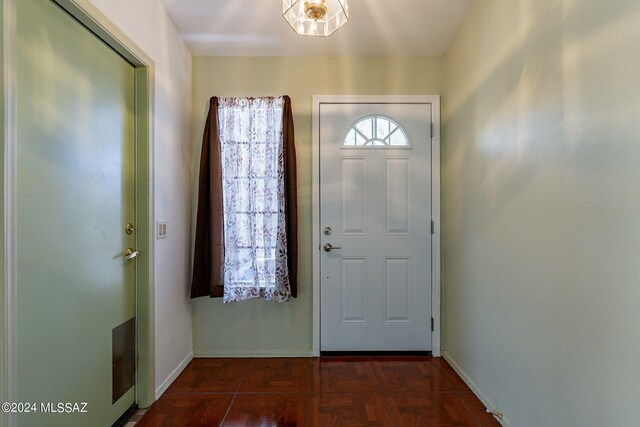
172	377
253	353
475	388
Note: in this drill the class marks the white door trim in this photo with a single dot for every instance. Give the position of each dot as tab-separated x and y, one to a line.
91	17
434	100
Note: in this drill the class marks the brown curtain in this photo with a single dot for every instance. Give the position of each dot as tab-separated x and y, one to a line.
208	260
291	194
208	256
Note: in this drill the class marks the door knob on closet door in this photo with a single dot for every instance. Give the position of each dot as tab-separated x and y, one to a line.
130	254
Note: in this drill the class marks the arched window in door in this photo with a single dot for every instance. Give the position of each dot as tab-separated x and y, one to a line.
376	131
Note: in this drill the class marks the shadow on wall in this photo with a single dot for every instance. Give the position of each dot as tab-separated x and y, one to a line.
520	111
540	173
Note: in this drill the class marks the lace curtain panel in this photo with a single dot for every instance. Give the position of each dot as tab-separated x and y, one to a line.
246	243
253	188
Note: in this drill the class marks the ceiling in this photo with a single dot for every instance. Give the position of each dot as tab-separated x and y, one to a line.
376	28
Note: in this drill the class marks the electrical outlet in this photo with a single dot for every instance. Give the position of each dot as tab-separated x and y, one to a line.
161	230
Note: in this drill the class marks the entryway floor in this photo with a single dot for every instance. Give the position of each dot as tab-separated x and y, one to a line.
328	391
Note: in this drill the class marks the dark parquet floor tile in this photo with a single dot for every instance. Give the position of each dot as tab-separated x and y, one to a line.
401	358
348	410
478	410
429	409
278	375
187	410
410	375
343	375
210	375
452	377
259	410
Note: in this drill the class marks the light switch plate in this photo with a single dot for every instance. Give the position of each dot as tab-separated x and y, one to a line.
161	229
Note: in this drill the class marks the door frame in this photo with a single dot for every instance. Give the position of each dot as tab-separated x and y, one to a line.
144	68
434	100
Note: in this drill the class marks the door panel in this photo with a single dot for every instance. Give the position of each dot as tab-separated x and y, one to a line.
354	296
397	286
397	192
75	193
354	196
376	199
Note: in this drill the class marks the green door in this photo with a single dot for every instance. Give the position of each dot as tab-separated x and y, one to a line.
75	196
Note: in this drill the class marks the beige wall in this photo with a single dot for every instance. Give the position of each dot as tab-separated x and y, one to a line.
541	208
259	327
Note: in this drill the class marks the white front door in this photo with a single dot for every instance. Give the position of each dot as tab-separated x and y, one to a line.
375	211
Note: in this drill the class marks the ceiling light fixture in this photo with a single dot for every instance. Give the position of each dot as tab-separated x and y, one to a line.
315	17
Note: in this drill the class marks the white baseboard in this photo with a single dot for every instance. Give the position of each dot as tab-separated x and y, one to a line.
172	377
475	388
253	353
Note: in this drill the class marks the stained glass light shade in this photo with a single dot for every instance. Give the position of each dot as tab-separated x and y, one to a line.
318	18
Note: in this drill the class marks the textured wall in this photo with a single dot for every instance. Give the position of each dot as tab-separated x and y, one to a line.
259	327
541	167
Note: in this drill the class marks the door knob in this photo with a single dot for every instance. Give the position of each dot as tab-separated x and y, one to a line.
130	254
129	228
328	247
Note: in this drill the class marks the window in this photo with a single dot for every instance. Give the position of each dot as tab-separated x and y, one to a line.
251	145
376	131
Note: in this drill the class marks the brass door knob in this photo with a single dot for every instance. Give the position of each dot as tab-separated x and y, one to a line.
129	228
130	254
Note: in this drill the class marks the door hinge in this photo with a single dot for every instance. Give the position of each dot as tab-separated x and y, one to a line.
433	323
433	227
433	130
